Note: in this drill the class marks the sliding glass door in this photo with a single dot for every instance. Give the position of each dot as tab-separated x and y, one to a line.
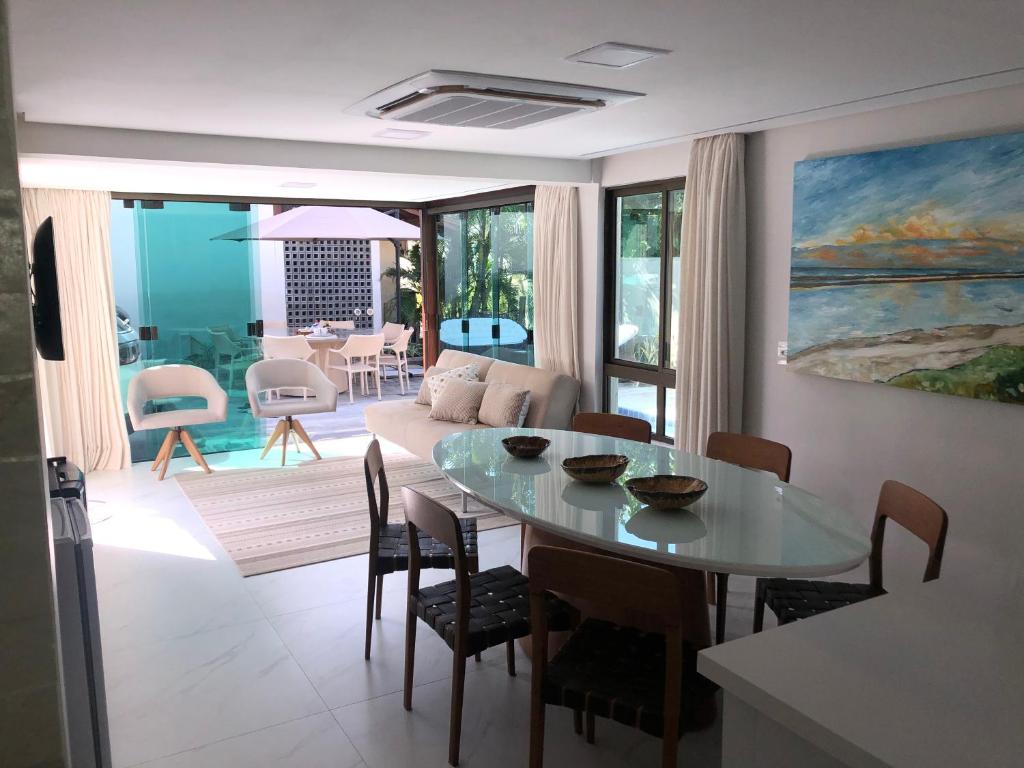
485	280
186	297
642	241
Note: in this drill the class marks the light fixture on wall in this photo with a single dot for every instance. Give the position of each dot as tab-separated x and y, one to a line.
357	312
369	311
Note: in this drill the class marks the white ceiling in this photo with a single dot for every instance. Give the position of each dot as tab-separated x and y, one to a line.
242	181
273	69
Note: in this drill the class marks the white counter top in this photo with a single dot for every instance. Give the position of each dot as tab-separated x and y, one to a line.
931	675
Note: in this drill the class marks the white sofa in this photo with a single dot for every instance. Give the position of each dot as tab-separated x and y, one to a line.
553	398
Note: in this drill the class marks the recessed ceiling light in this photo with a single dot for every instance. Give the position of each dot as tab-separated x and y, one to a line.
401	134
617	55
298	184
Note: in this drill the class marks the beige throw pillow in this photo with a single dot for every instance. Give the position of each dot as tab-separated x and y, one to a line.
504	405
438	382
423	396
459	401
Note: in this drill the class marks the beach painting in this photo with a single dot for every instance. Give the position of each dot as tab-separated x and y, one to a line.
908	268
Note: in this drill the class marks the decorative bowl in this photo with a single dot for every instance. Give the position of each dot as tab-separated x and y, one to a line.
525	446
602	468
667	491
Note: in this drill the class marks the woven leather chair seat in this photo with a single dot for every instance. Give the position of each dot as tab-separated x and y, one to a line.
794	599
393	551
499	609
619	673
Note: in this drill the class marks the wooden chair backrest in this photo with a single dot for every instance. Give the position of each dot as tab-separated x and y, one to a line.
439	522
612	425
373	466
750	452
915	512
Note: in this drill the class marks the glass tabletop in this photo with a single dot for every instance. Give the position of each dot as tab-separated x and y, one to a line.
749	522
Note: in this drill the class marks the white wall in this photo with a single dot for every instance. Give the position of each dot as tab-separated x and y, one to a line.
849	437
590	288
270	278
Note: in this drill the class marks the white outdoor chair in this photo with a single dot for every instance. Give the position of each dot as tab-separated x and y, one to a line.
392	331
228	355
167	381
361	354
396	354
288	373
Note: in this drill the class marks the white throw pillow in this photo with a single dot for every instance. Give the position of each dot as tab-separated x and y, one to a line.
423	396
437	382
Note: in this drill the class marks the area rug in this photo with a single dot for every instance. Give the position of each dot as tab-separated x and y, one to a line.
272	519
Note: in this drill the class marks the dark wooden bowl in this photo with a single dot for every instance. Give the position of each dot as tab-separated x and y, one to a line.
602	468
667	491
525	446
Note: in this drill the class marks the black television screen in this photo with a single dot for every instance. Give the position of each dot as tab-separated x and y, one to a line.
45	296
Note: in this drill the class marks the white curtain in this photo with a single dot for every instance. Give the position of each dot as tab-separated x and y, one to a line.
712	280
555	267
81	399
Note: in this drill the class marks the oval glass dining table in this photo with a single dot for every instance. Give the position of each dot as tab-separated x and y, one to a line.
749	522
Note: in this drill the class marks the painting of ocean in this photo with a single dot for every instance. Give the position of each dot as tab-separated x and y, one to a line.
908	268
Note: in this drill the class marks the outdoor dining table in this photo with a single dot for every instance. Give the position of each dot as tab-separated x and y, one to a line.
749	522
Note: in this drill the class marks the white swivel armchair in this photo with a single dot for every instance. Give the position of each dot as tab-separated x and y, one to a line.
289	374
168	381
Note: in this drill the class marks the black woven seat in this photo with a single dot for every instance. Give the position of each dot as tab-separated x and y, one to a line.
794	599
393	548
499	609
618	672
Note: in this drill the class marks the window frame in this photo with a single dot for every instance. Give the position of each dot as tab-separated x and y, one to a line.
661	375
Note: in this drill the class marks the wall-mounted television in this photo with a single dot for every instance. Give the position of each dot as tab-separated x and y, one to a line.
45	295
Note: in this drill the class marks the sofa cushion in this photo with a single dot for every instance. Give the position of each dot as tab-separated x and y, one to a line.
453	358
553	396
504	405
459	401
423	396
409	425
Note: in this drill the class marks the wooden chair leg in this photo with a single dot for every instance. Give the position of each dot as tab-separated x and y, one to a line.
458	688
193	450
591	727
380	593
759	596
278	429
284	443
722	589
537	712
370	584
301	432
169	455
410	657
163	450
577	721
510	657
712	596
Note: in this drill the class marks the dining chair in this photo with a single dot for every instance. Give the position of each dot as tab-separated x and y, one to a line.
471	613
227	355
289	374
392	331
175	381
752	453
794	599
612	425
640	676
360	355
389	542
396	354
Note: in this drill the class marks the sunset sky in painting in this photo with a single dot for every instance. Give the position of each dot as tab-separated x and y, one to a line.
953	198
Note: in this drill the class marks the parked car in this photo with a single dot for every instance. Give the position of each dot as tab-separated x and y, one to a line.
127	338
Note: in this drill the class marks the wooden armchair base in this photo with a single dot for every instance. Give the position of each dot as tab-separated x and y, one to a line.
166	452
286	428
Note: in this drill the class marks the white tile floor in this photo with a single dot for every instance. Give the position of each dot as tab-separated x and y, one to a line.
205	668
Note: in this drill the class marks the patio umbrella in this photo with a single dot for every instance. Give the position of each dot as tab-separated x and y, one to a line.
325	222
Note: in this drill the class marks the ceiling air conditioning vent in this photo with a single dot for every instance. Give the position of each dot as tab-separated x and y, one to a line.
484	101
